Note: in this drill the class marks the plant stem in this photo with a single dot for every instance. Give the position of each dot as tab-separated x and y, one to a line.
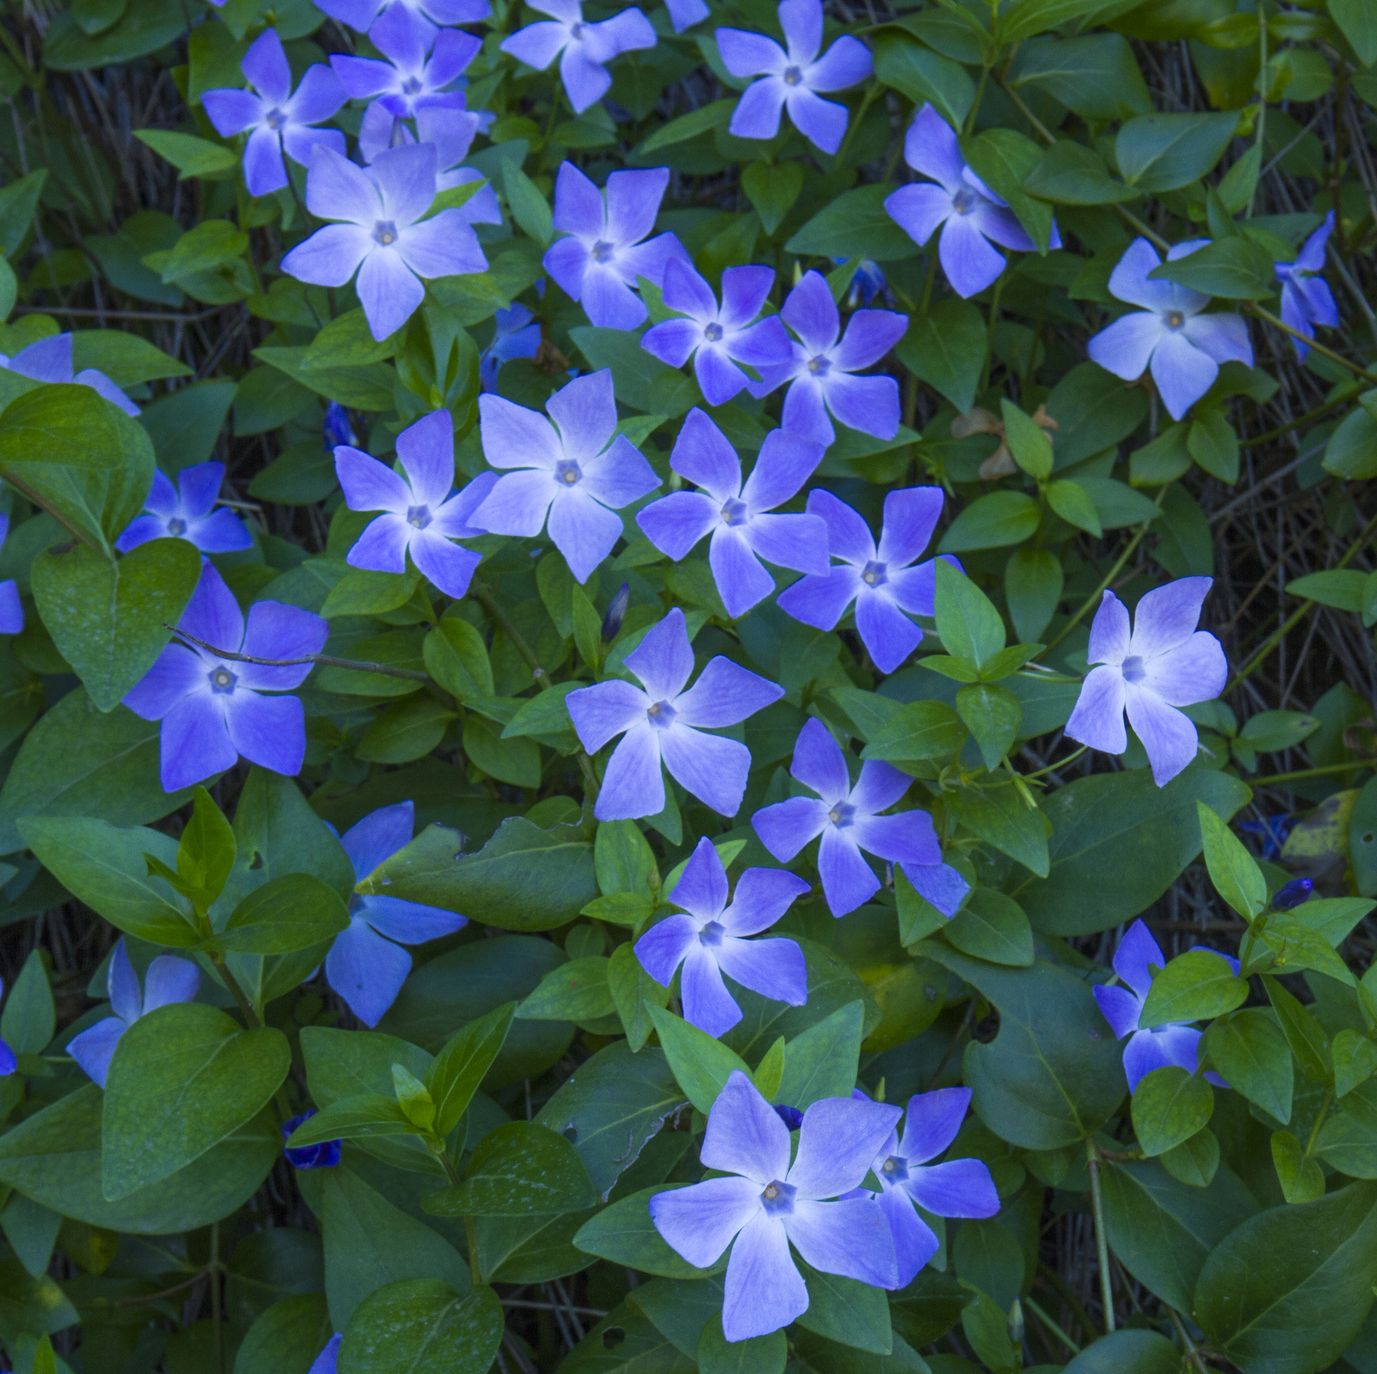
1322	771
1046	1319
323	660
1101	1240
470	1229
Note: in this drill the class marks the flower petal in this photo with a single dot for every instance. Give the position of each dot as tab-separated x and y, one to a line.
366	970
851	1237
378	836
604	711
586	412
725	694
847	880
662	948
268	730
787	826
1167	616
1098	717
699	1222
713	769
745	1135
932	1121
1169	736
633	785
663	659
838	1143
707	1003
764	1289
762	896
774	968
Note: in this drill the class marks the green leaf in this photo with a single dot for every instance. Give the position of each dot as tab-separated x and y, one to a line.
1236	268
575	991
992	927
363	1117
992	715
824	1060
524	878
520	1169
110	620
642	382
1213	444
854	224
1194	986
967	621
698	121
999	815
1164	152
1027	441
992	521
1354	1056
1128	1352
848	1312
456	657
1095	76
1169	1107
461	1066
915	732
1287	1291
285	1337
207	848
529	208
1073	503
1004	159
945	347
1352	448
701	1063
757	1355
772	188
29	1018
1354	20
183	1078
633	991
422	1325
923	75
293	912
1069	173
624	1234
1301	1178
191	156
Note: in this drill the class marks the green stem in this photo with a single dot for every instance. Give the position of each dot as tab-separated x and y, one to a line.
1092	1160
1322	349
1093	600
1046	1319
1181	1331
1323	770
470	1228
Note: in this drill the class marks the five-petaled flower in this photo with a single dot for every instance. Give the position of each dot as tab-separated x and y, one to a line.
718	339
280	118
583	46
660	722
366	964
1306	299
11	608
712	939
569	476
169	979
764	1203
383	237
417	68
848	818
971	217
1169	334
606	245
790	79
1177	1043
958	1188
421	518
885	581
214	709
736	515
50	360
821	373
188	511
1163	663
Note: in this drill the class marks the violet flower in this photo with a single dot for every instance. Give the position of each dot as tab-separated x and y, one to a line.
1162	664
660	722
366	964
1149	1047
1306	299
450	131
711	939
188	511
327	1362
606	247
764	1204
1170	335
213	710
848	818
958	1188
582	46
791	79
820	374
383	237
11	608
417	67
718	338
280	118
683	14
736	515
325	1155
421	518
169	979
885	580
361	15
971	217
50	360
515	334
8	1062
569	477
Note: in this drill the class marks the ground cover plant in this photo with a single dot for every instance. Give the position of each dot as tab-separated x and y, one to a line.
688	687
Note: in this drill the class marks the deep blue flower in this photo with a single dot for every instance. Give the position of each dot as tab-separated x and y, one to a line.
323	1156
1306	299
1292	894
338	427
11	608
8	1063
188	511
327	1361
515	334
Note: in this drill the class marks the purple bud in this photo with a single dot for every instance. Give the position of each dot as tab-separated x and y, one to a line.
790	1116
1295	892
616	613
322	1156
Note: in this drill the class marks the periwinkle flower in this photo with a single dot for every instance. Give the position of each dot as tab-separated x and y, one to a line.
420	516
868	284
1169	335
568	477
8	1062
821	374
327	1362
711	938
1293	893
790	79
764	1204
848	818
1149	1047
214	709
326	1155
1306	299
971	217
361	15
280	118
188	511
606	245
683	14
718	339
169	979
958	1188
583	47
366	964
417	68
515	334
11	608
383	237
450	131
660	722
885	581
1163	663
338	427
736	515
50	360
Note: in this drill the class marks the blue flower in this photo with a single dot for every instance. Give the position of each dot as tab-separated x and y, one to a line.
763	1204
11	608
188	512
366	964
1292	894
8	1062
661	723
50	360
169	979
515	335
327	1361
323	1156
338	427
1306	299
